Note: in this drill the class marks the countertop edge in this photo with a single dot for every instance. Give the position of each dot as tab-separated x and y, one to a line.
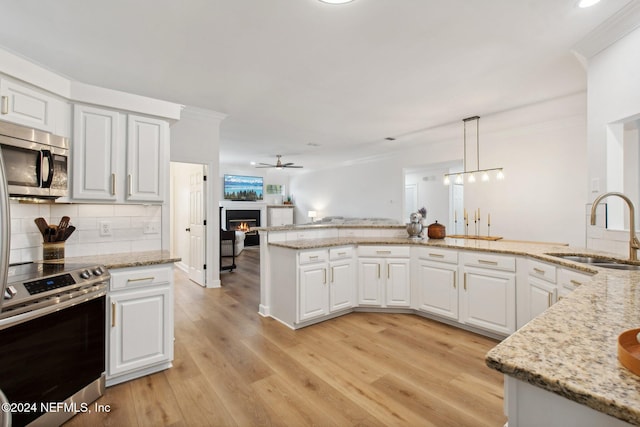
127	259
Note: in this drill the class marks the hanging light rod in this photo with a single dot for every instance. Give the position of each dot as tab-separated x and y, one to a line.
471	174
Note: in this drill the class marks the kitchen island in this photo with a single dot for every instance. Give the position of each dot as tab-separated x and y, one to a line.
561	367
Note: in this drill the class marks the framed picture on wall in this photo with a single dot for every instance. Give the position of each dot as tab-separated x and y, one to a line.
274	189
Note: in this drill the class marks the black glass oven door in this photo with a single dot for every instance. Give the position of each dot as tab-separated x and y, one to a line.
48	359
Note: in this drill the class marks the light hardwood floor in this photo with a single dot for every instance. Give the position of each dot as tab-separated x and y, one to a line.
233	367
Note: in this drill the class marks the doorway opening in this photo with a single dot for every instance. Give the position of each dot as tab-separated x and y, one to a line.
188	214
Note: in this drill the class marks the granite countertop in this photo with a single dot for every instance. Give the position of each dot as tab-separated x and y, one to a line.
571	348
318	225
124	260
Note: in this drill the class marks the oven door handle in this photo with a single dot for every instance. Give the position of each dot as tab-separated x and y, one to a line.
5	416
46	154
29	315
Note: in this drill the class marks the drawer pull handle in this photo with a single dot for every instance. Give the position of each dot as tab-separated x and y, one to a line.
5	105
113	314
549	299
113	184
484	261
378	271
383	252
324	280
142	279
539	271
575	282
454	280
313	257
130	185
436	255
465	281
331	280
342	253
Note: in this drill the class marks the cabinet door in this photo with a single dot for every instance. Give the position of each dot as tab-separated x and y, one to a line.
341	285
370	290
438	289
95	149
141	329
398	284
541	296
313	293
488	300
26	106
147	159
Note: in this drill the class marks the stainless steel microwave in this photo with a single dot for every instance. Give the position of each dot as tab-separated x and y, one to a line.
36	162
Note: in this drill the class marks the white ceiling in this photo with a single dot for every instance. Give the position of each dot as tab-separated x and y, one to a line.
291	73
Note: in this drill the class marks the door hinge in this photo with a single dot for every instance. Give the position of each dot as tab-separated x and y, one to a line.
204	222
204	267
204	177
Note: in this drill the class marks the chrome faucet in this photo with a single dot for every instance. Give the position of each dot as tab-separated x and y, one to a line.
634	244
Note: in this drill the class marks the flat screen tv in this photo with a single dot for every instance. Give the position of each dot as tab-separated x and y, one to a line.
245	188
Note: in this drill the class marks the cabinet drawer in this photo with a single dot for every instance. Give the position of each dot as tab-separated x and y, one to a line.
570	279
340	253
542	271
438	255
494	262
308	257
139	277
384	251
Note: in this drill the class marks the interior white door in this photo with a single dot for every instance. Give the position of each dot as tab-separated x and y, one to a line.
196	228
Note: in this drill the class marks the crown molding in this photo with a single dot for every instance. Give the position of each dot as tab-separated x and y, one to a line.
610	31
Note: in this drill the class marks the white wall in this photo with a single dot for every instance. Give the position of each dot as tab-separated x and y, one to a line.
432	194
614	97
542	148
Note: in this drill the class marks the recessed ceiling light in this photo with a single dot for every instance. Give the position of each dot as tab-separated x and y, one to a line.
336	1
587	3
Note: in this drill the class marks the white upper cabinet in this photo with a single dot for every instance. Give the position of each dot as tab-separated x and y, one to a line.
105	140
95	153
147	158
27	106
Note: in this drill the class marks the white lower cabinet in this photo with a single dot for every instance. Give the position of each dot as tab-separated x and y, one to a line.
326	282
342	279
139	322
488	293
436	277
384	278
313	292
542	295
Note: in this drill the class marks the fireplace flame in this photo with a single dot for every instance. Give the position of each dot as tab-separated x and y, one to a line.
244	227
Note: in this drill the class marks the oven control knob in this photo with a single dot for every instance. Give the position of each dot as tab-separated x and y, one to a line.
98	271
85	274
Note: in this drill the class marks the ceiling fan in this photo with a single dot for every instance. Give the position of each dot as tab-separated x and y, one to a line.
278	165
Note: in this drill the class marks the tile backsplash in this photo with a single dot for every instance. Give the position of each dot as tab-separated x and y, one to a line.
132	228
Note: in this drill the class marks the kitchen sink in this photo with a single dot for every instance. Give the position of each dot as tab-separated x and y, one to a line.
599	262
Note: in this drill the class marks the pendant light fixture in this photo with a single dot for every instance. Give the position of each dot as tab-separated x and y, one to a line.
471	175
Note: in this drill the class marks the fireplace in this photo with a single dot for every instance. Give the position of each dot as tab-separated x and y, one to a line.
244	220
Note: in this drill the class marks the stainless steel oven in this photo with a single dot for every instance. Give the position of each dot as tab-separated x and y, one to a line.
35	162
52	341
